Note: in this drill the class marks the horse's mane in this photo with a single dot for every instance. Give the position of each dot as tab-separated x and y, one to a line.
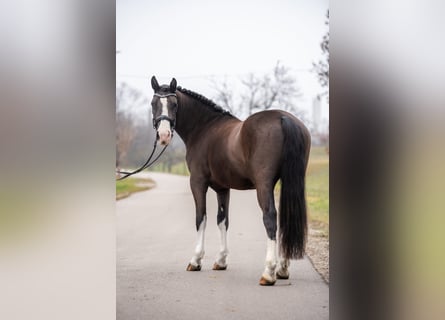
204	100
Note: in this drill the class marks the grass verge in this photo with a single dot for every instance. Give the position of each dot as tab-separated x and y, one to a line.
317	189
178	168
126	187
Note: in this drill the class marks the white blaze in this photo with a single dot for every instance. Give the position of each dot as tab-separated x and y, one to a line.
164	129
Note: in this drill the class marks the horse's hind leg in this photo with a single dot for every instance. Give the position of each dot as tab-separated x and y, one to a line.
223	224
283	269
199	191
267	204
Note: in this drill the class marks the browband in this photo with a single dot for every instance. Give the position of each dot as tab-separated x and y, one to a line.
165	95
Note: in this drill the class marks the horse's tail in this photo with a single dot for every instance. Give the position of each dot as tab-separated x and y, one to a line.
293	220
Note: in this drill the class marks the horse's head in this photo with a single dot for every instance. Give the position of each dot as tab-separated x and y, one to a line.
164	107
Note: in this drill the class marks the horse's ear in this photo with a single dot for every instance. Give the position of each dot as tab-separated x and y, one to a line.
173	85
154	83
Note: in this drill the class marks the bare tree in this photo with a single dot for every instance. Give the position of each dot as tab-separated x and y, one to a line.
250	99
321	68
224	96
280	90
127	98
277	90
125	132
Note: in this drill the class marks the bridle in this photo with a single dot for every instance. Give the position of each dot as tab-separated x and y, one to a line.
156	122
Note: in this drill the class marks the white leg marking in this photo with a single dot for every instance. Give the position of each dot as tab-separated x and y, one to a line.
164	129
271	260
223	251
199	249
283	268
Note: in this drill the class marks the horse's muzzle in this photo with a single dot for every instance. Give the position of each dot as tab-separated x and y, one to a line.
165	137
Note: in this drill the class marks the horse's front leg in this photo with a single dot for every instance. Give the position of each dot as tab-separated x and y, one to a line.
199	190
223	224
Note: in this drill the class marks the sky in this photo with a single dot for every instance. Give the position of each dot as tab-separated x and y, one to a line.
195	40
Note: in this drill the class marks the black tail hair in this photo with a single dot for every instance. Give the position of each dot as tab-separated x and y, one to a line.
293	219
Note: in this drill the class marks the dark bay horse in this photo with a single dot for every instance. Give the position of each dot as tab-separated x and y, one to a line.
226	153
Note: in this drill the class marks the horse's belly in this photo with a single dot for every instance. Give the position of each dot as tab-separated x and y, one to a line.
232	180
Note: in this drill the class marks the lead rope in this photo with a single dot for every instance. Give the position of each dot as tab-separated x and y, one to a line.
145	165
155	121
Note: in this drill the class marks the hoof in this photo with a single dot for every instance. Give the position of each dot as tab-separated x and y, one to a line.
265	282
218	267
284	276
191	267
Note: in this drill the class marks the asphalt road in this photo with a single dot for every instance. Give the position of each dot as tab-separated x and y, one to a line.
156	236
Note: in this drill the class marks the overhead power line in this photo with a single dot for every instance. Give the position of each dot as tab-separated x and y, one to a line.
202	76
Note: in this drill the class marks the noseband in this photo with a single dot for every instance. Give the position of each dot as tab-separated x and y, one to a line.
157	120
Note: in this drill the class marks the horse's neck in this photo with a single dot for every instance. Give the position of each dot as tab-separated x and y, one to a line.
192	118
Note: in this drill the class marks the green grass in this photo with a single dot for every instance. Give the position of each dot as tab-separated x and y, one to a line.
130	185
317	187
179	168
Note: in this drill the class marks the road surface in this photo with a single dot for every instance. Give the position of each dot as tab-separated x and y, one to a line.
156	236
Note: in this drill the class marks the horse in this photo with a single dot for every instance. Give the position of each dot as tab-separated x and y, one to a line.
223	153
